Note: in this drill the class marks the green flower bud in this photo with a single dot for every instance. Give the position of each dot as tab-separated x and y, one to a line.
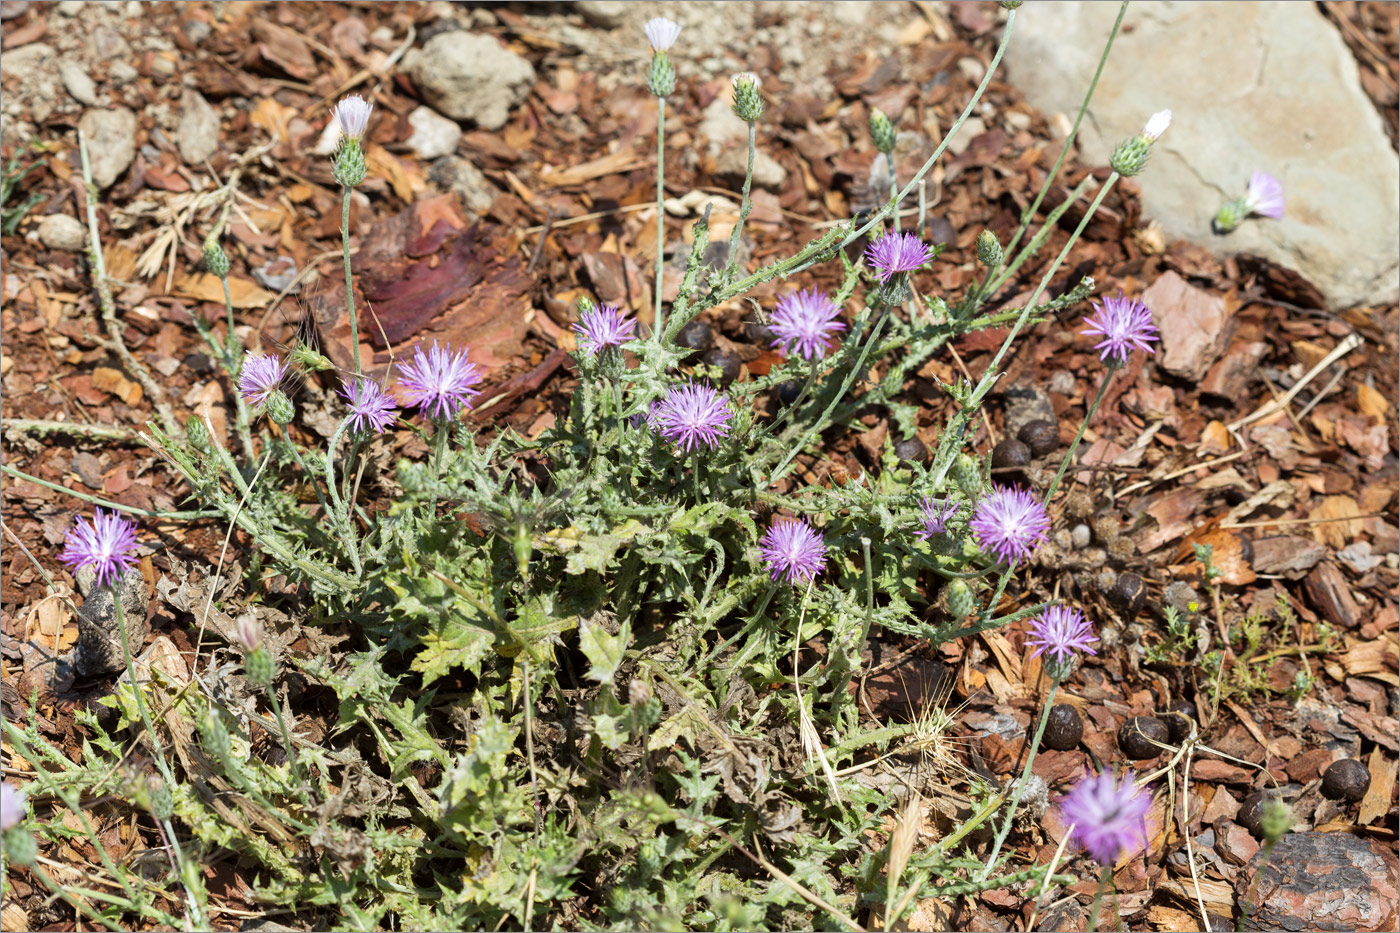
197	434
748	103
960	599
968	477
162	804
895	291
661	77
1059	668
584	304
215	735
215	259
20	847
1276	820
260	667
1230	215
350	163
988	249
280	408
308	357
523	545
1009	4
883	130
1130	157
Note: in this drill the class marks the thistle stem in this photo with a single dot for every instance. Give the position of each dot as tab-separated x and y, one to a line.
232	349
894	191
1079	435
1021	784
439	449
292	759
745	202
659	318
349	286
1105	880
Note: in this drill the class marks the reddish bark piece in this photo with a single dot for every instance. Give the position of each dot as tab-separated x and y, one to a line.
1192	322
1330	594
618	280
1309	765
1229	553
1213	769
1322	881
1289	555
285	49
1234	843
1175	514
1234	372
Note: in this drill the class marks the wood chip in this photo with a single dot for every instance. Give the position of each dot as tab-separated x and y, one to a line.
1377	800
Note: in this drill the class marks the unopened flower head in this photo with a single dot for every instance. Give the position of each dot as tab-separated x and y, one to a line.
1157	125
803	323
1265	195
1009	523
249	631
1060	631
935	517
897	252
440	382
882	131
748	103
793	550
1123	325
692	415
261	376
1109	817
107	547
662	33
352	113
12	807
1130	157
602	326
371	408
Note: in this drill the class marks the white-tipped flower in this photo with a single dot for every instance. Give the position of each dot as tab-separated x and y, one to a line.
352	114
661	33
1157	125
748	103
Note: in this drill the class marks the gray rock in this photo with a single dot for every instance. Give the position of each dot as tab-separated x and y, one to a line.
718	123
120	72
457	174
1266	85
111	140
433	135
767	173
62	231
470	77
198	132
608	14
76	80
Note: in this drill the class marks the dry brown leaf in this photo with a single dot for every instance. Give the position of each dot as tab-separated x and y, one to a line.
1371	403
403	177
202	286
611	164
1377	799
1215	439
272	116
1328	530
111	381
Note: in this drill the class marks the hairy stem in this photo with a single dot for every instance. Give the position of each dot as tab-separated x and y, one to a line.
659	318
745	204
349	285
1021	784
1079	435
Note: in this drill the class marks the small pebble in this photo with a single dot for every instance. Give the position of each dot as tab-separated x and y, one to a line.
1041	436
1136	737
62	232
1346	779
1128	594
911	450
1179	729
696	336
726	361
1063	729
1080	536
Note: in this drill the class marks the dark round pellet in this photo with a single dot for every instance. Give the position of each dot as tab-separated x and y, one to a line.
1346	779
787	392
1063	729
1041	436
1179	727
911	450
696	336
726	361
1136	737
1128	594
1251	815
1010	453
758	333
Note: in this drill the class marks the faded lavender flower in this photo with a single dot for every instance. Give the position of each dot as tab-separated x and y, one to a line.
692	415
1157	125
1060	631
1265	195
1010	523
897	252
793	550
12	807
803	321
1125	325
935	517
261	376
1109	817
371	408
662	33
352	113
249	632
603	326
440	382
107	546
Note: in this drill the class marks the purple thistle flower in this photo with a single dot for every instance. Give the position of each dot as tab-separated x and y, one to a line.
793	550
371	408
11	807
1125	325
936	518
352	113
1265	195
1009	523
897	252
662	33
261	375
107	546
691	415
440	382
1060	631
1109	818
604	326
802	322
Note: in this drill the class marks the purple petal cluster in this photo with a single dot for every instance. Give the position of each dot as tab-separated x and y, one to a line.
261	375
1109	817
662	33
1124	324
440	382
1265	195
352	113
603	326
936	517
1059	631
371	408
793	550
107	546
897	252
692	415
11	807
1010	523
803	321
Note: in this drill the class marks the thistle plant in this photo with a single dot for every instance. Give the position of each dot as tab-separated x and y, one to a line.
1264	198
